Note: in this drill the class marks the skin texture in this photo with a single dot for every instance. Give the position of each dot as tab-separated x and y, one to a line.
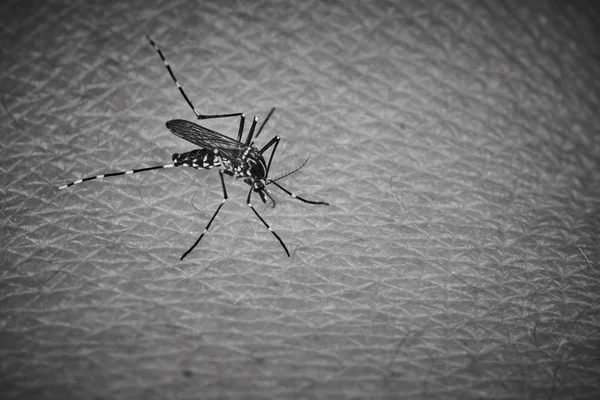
457	143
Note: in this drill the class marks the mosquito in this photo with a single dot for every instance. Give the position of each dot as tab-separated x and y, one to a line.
239	159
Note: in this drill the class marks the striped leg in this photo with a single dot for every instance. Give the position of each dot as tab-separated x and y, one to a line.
212	219
251	132
297	197
249	138
264	122
274	141
265	222
198	115
131	171
241	128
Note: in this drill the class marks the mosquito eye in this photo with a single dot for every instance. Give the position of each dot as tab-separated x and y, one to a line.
176	157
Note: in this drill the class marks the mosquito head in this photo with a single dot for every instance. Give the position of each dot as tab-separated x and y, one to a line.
260	187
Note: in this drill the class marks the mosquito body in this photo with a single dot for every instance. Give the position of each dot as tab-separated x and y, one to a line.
234	158
239	159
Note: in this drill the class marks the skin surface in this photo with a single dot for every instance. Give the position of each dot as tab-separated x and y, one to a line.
457	143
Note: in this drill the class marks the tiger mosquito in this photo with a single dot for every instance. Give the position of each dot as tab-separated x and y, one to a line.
236	158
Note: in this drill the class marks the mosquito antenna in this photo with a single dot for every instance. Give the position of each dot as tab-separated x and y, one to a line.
285	175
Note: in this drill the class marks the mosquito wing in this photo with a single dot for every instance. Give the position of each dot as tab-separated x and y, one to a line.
203	137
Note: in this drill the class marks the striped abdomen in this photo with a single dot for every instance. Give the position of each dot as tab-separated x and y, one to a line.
250	164
203	158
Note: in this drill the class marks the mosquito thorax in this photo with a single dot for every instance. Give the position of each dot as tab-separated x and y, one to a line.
255	166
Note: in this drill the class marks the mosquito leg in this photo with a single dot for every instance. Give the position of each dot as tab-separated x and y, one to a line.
251	132
129	172
265	222
249	138
297	197
198	115
264	122
274	141
212	219
241	129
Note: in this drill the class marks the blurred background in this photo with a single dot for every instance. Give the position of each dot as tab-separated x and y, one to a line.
456	141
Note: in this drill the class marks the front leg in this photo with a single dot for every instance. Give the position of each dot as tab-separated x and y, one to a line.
263	221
